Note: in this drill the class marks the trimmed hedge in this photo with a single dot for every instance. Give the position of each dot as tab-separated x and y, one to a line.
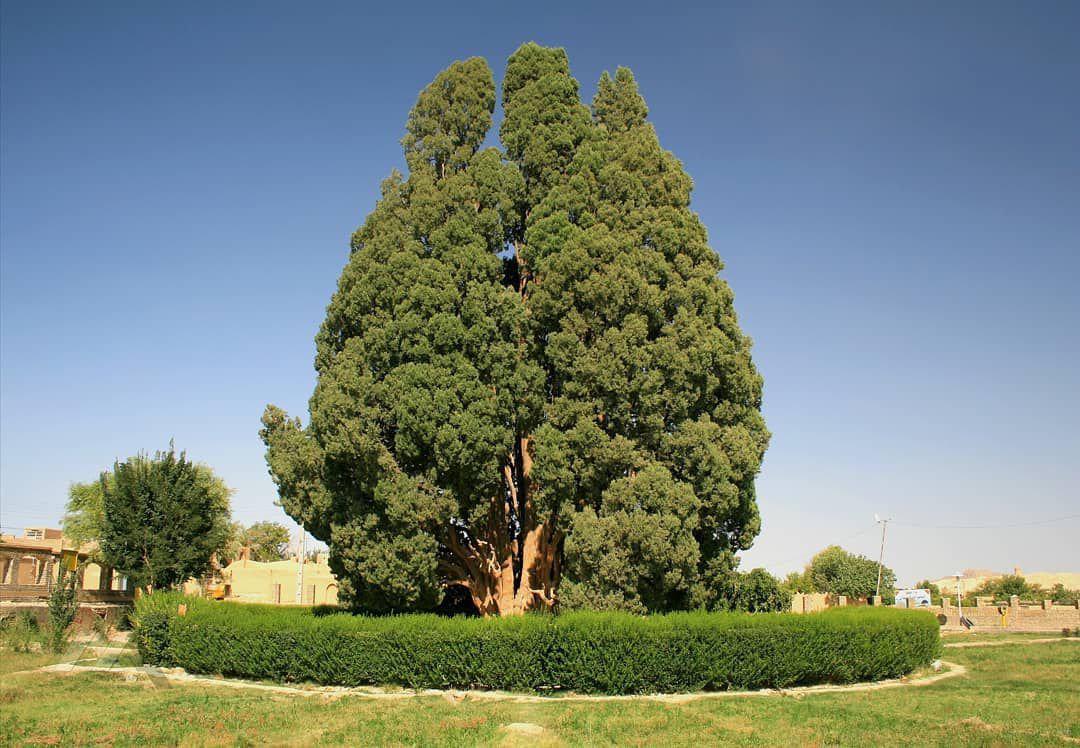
584	652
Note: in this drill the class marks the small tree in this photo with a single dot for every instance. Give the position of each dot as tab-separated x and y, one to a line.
85	512
798	582
1005	587
841	573
1060	595
268	541
63	607
935	591
163	519
755	591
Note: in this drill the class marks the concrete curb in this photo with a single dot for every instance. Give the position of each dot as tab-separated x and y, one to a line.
178	675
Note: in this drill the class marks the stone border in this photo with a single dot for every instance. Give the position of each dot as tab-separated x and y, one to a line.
178	675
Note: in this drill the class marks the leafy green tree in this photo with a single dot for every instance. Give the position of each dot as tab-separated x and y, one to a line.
839	572
63	607
935	591
1002	588
85	512
531	381
268	541
1061	595
755	591
84	515
164	517
799	582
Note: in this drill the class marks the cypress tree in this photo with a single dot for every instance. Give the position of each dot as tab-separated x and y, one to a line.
532	383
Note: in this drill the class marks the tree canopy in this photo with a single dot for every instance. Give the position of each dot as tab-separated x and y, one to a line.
532	384
267	541
842	573
84	515
163	518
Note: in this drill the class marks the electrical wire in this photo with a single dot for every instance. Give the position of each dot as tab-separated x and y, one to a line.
986	527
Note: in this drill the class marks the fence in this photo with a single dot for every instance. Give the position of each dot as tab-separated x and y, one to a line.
984	612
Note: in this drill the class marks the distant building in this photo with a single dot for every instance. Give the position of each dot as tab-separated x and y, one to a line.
273	582
30	566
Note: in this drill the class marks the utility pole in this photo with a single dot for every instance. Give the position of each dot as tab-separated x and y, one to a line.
300	568
881	556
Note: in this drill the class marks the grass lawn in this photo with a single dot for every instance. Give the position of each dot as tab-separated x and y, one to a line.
993	635
1012	695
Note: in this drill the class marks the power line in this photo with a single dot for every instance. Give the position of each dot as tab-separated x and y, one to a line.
804	556
988	527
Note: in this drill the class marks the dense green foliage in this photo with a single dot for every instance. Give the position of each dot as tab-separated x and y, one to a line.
84	515
1011	696
267	541
20	632
935	591
842	573
163	519
531	380
1006	586
587	651
63	607
755	591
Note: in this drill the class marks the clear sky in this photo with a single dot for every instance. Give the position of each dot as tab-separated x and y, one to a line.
894	187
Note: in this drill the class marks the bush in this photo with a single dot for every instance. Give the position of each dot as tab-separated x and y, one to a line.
586	652
841	573
21	633
63	607
757	591
150	619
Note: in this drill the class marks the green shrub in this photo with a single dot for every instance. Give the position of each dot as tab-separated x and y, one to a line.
755	591
150	620
21	632
63	607
585	652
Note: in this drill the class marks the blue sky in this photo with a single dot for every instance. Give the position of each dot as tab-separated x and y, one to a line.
895	192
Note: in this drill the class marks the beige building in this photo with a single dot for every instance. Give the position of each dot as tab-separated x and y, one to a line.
276	582
30	566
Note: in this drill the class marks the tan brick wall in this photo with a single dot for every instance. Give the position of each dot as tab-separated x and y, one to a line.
1037	617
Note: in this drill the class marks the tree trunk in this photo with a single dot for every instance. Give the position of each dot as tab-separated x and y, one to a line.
504	575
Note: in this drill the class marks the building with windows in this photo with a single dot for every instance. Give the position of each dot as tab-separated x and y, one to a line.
30	566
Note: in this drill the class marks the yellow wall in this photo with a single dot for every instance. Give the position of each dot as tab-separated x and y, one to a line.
257	582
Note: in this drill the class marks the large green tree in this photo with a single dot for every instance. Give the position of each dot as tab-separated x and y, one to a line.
163	519
531	381
84	515
842	573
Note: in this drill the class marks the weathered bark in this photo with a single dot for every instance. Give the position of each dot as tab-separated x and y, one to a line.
505	575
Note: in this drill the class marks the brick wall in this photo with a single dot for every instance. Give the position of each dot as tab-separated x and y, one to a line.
983	612
987	615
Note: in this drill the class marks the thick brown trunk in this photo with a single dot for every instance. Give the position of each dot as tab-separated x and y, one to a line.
484	564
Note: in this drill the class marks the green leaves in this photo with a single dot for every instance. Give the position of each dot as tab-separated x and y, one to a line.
586	407
584	652
451	117
839	572
163	518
